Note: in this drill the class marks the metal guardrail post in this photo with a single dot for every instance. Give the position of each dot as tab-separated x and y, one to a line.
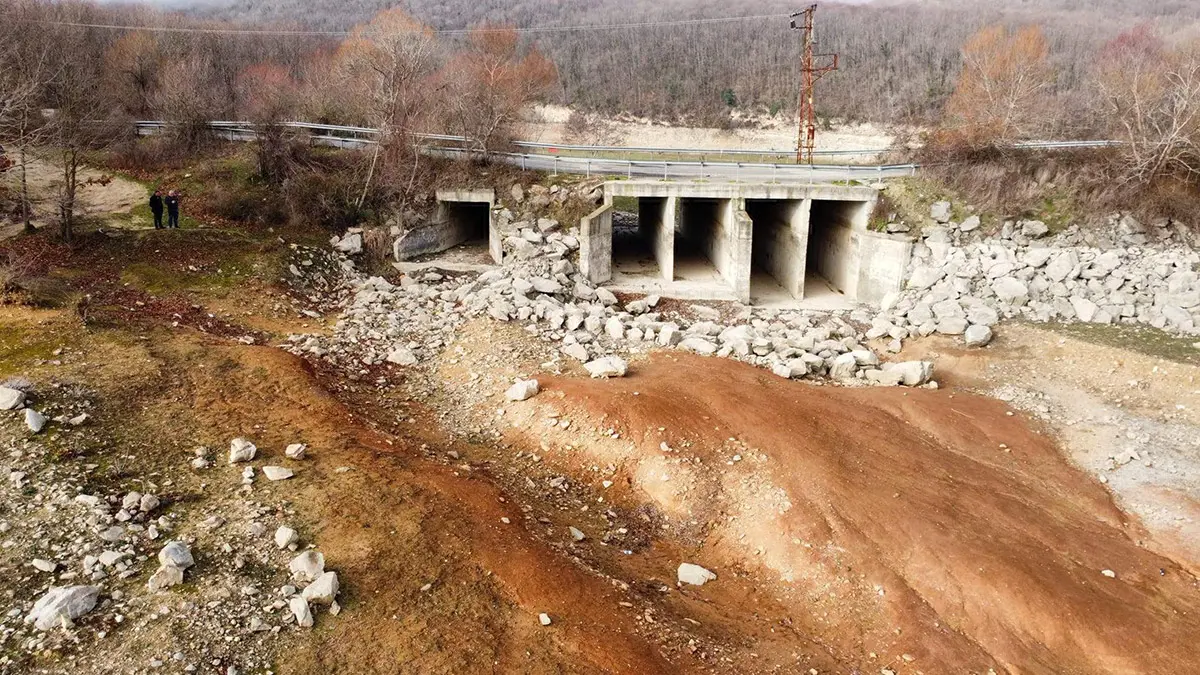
556	165
589	168
665	170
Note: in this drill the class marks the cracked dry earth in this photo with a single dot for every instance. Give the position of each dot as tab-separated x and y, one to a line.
851	530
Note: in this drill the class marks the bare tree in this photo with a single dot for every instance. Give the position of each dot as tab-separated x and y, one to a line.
1150	96
22	126
390	62
189	98
492	81
1001	95
269	97
84	120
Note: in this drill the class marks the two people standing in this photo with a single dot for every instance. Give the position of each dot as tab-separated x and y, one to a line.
171	202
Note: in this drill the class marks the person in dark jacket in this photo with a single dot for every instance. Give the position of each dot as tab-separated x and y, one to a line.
173	209
156	207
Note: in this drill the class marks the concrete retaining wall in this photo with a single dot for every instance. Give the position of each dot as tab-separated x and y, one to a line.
595	245
462	215
882	264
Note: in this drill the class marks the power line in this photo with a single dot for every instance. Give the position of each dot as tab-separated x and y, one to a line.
448	31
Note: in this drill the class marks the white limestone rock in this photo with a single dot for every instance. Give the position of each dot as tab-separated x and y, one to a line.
577	352
11	399
940	212
177	554
307	566
699	346
35	420
1011	290
241	450
522	390
295	451
286	536
62	605
277	472
912	373
165	577
300	610
608	366
695	575
323	590
402	356
977	336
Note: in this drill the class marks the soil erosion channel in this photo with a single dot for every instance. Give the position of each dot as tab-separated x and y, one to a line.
932	524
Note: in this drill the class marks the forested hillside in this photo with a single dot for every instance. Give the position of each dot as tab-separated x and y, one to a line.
899	60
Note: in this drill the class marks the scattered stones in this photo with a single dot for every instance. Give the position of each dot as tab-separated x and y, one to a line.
544	619
296	451
576	533
695	575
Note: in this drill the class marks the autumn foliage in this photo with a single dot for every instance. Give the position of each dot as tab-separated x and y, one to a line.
492	80
1002	94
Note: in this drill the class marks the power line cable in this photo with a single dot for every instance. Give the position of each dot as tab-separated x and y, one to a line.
448	31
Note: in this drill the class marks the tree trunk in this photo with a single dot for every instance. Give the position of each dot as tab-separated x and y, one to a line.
67	200
26	216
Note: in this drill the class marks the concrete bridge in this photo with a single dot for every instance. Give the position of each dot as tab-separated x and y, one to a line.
765	244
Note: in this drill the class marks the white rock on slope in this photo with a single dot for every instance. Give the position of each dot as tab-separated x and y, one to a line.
695	575
61	605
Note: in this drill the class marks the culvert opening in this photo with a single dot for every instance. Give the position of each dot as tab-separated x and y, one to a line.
831	261
467	222
460	232
703	241
777	249
636	227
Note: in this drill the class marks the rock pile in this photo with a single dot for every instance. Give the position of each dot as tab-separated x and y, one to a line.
962	285
542	290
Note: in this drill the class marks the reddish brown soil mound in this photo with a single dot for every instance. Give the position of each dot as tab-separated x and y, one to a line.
926	525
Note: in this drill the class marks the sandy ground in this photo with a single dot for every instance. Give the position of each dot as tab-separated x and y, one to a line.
99	193
547	124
